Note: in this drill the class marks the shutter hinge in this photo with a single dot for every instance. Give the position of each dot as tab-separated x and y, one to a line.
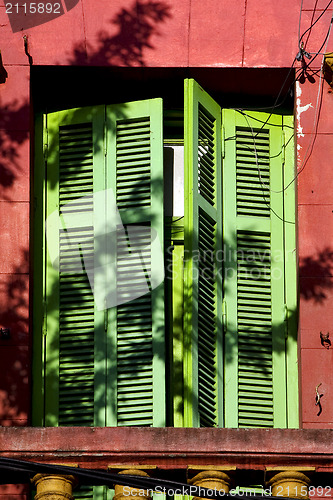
45	145
105	134
106	320
283	152
286	315
224	316
45	138
44	324
223	141
45	153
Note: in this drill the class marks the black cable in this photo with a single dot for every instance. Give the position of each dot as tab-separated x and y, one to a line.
299	20
303	69
314	133
322	45
313	24
275	105
263	185
103	478
300	70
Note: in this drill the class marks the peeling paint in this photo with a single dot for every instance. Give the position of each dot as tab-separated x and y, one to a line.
300	109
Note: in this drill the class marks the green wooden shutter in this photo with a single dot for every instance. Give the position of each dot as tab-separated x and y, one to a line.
104	354
136	328
203	239
290	264
254	284
75	338
176	277
74	329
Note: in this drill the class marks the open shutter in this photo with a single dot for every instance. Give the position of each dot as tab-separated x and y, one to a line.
290	265
203	240
75	170
136	322
255	376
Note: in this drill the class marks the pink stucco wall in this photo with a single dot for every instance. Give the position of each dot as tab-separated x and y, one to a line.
160	33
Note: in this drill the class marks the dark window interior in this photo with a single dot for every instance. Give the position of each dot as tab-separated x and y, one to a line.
59	87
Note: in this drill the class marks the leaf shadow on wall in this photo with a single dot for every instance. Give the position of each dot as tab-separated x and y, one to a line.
135	28
14	384
11	144
315	273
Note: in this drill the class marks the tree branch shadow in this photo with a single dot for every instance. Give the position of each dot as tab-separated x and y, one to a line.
135	28
317	268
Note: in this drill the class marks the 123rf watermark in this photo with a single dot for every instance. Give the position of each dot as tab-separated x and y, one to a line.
25	14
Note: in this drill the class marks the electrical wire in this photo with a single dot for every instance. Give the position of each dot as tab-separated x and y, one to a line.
299	20
322	45
299	73
275	105
263	185
103	478
314	127
313	24
300	70
317	108
109	479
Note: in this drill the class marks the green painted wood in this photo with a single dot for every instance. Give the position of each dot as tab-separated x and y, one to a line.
136	329
86	383
254	285
93	493
177	277
203	240
74	329
291	285
105	366
75	170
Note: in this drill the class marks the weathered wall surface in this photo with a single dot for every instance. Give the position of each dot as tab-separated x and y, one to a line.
159	33
162	33
315	224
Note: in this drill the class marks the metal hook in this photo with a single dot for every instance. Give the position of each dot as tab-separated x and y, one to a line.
318	403
324	340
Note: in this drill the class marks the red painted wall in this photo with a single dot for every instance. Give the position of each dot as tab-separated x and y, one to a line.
189	33
315	221
159	33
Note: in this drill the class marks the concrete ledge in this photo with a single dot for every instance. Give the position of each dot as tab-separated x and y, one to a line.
171	448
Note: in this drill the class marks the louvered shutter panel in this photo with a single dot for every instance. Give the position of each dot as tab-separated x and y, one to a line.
255	384
136	323
203	239
75	166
